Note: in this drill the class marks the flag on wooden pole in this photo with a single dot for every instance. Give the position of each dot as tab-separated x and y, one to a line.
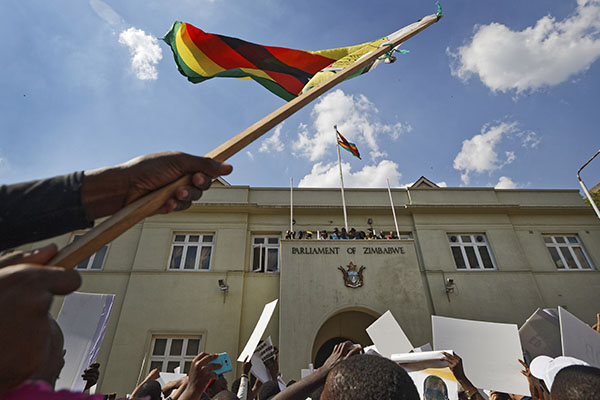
285	72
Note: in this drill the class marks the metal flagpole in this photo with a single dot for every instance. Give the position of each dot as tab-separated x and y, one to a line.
341	178
291	204
393	210
585	189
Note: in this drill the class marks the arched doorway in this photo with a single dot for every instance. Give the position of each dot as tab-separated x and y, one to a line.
345	325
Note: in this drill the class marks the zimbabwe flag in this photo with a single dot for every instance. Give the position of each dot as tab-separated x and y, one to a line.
285	72
344	144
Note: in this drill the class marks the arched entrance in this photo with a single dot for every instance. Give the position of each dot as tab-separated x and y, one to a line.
345	325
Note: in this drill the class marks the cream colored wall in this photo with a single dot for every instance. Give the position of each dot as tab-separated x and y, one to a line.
313	290
151	300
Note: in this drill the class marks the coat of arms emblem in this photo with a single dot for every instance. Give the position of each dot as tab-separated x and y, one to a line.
353	278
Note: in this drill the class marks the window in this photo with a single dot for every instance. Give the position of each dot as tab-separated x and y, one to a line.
265	254
168	353
471	251
93	262
191	252
567	252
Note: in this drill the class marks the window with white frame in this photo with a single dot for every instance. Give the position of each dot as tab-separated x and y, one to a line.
567	252
93	262
168	353
265	254
191	252
471	251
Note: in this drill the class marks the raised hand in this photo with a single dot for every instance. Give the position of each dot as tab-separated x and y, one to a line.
26	292
200	375
107	190
340	352
91	375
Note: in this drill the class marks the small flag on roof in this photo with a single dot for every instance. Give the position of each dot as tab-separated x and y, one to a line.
351	147
285	72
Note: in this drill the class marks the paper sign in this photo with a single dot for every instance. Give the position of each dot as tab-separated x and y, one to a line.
420	356
304	372
259	330
425	347
388	336
578	339
83	319
259	369
489	352
166	377
435	383
540	334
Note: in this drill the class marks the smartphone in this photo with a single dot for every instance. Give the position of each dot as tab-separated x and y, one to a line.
223	359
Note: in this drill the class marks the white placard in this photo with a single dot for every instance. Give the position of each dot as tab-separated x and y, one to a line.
259	330
388	336
540	334
490	352
166	377
259	369
420	356
425	347
578	339
83	319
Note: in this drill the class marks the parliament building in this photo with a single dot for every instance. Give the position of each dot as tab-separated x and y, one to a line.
198	280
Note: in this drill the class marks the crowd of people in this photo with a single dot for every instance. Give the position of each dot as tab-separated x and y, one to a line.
33	354
341	234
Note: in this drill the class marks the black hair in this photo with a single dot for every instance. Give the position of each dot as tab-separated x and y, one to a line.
268	390
225	395
577	382
369	377
149	389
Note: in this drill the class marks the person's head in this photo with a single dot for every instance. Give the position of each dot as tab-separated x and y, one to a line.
268	390
434	388
218	385
335	230
369	377
344	230
499	396
545	368
149	389
54	360
225	395
577	382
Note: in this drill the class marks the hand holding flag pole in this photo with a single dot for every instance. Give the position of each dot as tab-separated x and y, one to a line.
133	213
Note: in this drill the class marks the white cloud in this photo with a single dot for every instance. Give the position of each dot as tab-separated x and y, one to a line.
529	139
145	52
273	143
250	155
356	119
505	183
545	54
442	184
478	154
371	176
106	12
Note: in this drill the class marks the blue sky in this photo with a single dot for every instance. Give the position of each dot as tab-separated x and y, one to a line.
498	93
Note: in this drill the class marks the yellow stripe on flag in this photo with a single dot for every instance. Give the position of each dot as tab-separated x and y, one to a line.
193	57
257	72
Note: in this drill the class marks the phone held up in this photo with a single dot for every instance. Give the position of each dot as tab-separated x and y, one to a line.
223	359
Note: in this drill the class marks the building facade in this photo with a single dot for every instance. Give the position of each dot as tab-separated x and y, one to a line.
198	280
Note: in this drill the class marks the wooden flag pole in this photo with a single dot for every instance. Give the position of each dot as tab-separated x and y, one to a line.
121	221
